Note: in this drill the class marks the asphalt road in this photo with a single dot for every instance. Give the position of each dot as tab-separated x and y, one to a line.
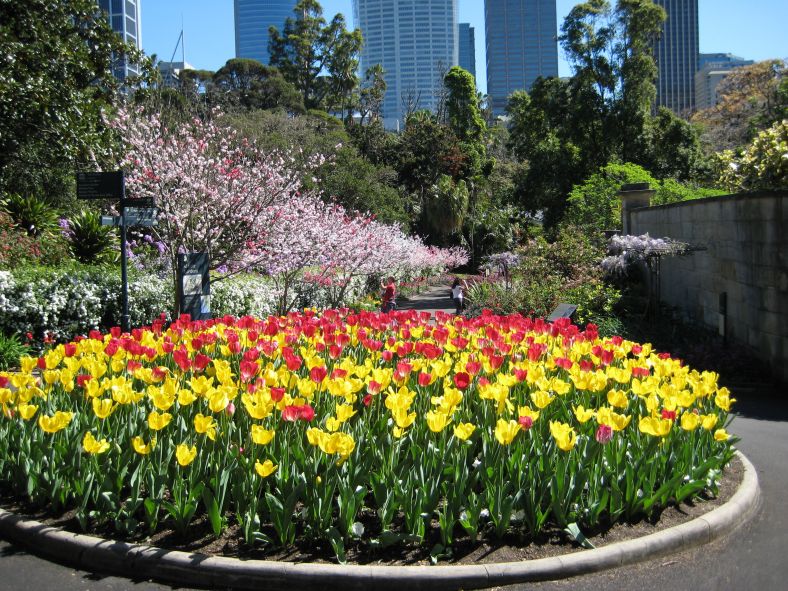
753	557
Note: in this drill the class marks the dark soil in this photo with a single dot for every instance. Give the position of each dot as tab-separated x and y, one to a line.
552	542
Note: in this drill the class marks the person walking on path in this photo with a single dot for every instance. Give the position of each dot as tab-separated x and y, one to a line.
389	295
457	294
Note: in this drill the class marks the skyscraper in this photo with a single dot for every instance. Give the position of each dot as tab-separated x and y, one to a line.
124	18
468	48
252	21
416	42
676	53
521	46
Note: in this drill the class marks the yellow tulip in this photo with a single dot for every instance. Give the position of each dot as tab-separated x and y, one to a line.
205	426
103	407
505	431
723	399
185	454
265	469
200	385
139	445
617	398
313	435
54	423
437	421
26	411
344	412
654	426
186	397
582	414
541	398
157	421
333	424
218	400
27	363
721	435
526	411
464	430
606	416
92	446
690	421
709	421
402	418
261	435
563	434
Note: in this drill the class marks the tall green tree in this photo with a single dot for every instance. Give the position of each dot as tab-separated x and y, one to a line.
566	130
320	59
249	84
56	84
371	93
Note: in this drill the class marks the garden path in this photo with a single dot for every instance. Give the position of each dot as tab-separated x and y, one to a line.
435	299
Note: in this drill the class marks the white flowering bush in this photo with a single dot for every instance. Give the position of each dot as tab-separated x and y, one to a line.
61	303
241	295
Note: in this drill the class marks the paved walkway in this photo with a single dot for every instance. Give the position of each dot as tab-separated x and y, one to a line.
436	298
753	557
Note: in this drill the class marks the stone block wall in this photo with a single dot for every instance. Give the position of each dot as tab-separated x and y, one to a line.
746	257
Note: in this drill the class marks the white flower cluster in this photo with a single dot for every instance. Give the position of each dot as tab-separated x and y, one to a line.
500	262
242	295
628	250
62	303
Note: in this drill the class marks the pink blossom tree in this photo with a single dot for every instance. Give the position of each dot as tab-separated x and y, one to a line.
214	190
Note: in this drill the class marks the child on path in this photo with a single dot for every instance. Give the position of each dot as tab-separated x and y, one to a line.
457	295
389	295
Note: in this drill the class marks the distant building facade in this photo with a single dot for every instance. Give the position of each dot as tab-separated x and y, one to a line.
125	19
416	42
170	72
676	54
253	18
522	45
713	68
467	55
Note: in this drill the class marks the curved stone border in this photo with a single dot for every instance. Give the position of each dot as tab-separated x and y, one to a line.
182	568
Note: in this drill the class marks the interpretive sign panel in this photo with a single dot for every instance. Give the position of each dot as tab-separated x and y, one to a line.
140	216
562	311
100	185
194	285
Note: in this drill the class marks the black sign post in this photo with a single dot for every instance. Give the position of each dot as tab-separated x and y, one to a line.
112	185
194	285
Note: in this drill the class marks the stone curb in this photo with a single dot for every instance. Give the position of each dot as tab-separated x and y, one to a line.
183	568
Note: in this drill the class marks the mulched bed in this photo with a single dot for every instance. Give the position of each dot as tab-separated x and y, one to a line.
552	542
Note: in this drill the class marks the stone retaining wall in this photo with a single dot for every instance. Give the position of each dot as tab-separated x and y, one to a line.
746	257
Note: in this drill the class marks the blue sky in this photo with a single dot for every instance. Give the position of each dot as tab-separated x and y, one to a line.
753	30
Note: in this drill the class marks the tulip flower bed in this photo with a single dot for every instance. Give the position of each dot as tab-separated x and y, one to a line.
294	427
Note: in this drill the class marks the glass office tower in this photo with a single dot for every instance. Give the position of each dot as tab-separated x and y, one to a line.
522	45
124	18
416	42
676	53
468	48
252	21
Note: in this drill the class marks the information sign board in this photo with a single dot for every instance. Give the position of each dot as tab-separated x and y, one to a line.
100	185
562	311
194	285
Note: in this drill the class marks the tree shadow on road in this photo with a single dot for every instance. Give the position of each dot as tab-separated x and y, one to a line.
764	402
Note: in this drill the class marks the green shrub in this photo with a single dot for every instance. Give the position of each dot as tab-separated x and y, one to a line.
17	248
564	271
11	349
89	241
31	214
